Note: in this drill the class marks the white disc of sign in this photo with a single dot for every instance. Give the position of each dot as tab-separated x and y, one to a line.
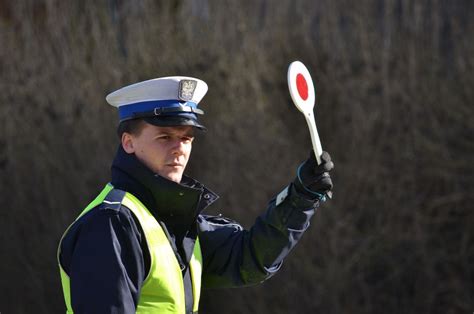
303	95
301	87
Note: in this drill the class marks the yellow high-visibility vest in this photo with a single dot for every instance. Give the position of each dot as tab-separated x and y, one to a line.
163	289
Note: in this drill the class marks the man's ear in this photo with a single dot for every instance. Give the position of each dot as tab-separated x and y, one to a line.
127	142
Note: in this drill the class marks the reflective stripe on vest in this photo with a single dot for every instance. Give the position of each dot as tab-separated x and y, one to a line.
163	289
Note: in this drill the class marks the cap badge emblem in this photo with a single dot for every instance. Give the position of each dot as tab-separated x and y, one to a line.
186	89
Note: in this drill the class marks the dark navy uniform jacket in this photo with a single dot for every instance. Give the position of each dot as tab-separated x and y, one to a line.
106	257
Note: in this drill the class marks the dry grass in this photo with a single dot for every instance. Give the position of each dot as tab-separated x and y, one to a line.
395	110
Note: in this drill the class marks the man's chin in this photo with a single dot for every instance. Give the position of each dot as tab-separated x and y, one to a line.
172	176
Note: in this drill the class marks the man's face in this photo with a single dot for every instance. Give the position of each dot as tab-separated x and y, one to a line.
164	150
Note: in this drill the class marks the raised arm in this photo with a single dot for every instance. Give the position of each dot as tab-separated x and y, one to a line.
234	257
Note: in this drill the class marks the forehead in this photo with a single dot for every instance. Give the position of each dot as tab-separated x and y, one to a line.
176	130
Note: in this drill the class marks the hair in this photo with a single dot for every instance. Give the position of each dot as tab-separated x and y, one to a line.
133	127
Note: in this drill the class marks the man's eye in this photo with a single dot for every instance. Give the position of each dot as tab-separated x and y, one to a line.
187	139
165	137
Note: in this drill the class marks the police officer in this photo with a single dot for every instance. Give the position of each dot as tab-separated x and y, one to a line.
143	244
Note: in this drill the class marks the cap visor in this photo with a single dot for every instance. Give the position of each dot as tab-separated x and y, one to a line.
174	121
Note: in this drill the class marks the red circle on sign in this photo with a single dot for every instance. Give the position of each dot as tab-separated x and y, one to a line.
302	86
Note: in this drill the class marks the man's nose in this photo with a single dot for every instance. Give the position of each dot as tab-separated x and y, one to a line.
178	147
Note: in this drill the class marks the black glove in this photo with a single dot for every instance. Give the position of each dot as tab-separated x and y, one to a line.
314	181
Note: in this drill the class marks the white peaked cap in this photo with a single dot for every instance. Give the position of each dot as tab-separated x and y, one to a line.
162	101
163	88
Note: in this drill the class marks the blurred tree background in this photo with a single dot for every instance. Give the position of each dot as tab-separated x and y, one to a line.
395	105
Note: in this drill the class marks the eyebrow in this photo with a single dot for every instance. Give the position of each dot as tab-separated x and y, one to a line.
189	133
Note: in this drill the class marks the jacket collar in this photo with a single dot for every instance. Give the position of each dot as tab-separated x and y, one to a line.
163	197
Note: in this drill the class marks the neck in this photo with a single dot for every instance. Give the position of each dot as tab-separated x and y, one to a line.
160	195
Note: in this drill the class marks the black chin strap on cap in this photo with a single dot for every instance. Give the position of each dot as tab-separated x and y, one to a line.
160	111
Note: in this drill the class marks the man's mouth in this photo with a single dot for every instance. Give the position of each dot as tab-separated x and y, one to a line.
174	164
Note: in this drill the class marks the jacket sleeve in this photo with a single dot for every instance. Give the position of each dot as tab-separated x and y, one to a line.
234	257
104	260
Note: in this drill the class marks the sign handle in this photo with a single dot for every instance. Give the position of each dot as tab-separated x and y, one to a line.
318	150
